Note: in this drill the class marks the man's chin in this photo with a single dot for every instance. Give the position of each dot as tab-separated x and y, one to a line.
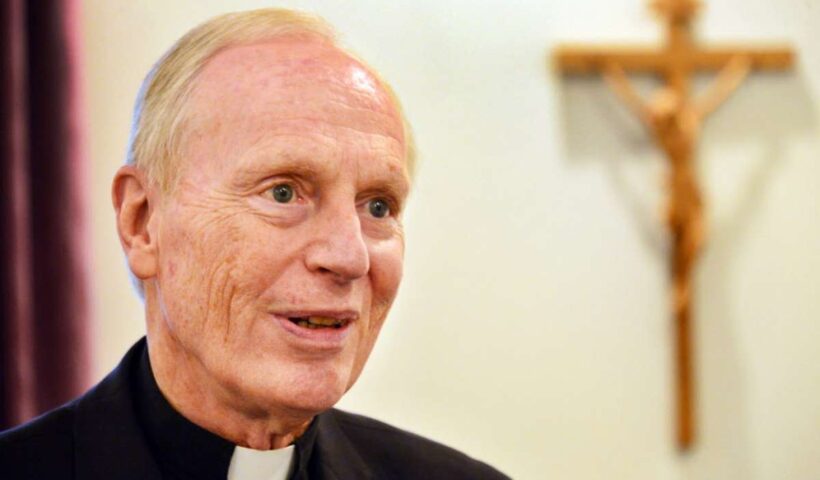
307	404
290	388
299	398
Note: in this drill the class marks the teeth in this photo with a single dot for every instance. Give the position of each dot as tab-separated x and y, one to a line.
317	322
324	321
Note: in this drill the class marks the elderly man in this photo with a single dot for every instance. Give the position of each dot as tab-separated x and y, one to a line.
260	213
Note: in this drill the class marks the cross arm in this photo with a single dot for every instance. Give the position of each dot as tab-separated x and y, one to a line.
759	58
584	59
590	59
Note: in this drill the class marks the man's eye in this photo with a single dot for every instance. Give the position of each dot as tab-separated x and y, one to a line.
378	208
283	193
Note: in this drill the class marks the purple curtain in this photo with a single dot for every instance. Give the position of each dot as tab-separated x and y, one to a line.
44	293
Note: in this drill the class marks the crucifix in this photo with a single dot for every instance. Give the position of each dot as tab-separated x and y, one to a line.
673	116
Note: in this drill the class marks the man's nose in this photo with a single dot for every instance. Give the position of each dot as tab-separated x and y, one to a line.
338	247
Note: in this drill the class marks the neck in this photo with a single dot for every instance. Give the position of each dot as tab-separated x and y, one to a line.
194	393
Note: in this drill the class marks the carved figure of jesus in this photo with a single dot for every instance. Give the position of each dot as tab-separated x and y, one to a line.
674	122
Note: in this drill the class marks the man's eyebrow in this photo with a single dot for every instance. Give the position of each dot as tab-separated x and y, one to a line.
259	167
395	184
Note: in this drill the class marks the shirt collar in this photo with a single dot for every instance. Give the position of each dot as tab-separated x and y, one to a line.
249	464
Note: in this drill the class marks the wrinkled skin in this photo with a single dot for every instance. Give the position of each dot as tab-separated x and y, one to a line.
223	260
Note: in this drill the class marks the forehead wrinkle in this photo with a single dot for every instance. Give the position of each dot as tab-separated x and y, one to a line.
265	153
324	145
319	124
378	132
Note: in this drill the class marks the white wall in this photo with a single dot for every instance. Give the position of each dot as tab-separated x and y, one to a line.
532	330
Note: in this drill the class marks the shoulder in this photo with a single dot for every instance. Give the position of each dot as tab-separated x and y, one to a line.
49	445
397	453
41	448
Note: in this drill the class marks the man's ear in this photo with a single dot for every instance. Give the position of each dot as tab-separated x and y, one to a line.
130	194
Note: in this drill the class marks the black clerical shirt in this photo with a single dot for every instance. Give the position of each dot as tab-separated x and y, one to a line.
124	429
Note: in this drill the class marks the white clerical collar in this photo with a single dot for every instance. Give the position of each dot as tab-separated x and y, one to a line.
249	464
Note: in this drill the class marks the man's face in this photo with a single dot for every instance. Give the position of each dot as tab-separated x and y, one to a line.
280	248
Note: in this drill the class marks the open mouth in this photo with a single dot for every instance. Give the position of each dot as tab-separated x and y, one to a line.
314	322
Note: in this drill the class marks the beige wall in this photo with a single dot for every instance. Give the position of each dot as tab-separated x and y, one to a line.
531	330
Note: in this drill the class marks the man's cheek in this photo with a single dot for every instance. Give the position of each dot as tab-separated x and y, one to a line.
219	291
386	272
192	274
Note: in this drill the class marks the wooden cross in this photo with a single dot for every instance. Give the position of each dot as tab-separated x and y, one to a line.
673	116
